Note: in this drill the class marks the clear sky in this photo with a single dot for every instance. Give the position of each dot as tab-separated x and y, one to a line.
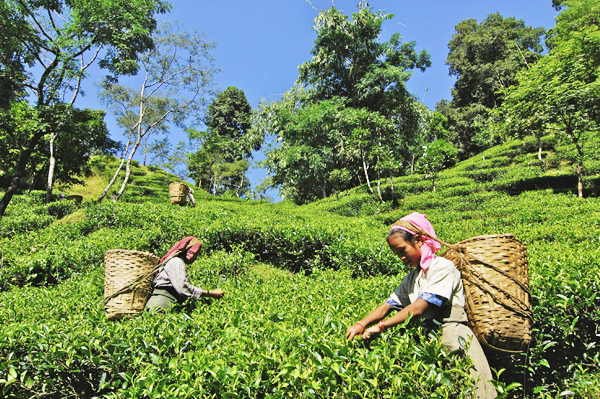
260	43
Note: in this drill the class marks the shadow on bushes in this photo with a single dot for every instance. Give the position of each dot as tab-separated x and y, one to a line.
560	184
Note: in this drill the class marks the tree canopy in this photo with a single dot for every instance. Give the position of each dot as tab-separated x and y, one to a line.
48	47
178	77
561	93
350	111
221	163
485	58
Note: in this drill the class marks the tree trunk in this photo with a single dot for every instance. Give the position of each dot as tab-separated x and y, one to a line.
539	149
50	169
114	178
238	188
127	171
365	168
379	188
392	187
580	180
145	150
19	173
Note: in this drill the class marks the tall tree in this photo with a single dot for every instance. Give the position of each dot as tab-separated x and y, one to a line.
220	165
59	39
177	75
83	133
322	127
485	58
561	93
437	156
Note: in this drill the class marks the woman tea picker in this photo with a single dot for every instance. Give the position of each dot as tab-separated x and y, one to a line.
433	290
171	285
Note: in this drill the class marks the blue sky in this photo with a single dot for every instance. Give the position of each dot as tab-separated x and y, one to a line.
260	43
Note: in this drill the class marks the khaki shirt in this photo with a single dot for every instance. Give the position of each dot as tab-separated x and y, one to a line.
441	286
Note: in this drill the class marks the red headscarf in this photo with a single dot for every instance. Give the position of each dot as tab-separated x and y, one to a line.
429	246
191	244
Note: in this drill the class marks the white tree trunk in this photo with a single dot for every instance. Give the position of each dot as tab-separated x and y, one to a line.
365	168
114	178
127	171
50	169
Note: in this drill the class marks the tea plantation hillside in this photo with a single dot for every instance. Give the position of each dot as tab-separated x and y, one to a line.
295	277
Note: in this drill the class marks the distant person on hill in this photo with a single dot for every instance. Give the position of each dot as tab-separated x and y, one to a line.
171	285
433	290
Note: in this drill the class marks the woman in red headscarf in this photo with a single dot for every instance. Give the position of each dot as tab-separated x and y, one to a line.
171	285
432	293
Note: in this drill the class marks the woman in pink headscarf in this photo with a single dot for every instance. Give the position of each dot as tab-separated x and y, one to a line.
171	285
432	293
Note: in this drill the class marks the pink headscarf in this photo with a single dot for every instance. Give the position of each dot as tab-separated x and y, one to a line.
192	244
430	246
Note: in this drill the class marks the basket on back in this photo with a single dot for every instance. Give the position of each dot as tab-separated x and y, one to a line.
178	193
496	279
127	281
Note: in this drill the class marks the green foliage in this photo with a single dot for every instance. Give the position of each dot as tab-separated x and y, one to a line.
68	33
561	92
438	155
279	331
254	342
178	74
350	110
220	165
485	58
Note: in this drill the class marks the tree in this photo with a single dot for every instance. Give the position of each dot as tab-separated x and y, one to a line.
220	165
561	93
229	116
437	156
83	133
53	40
349	113
485	58
177	74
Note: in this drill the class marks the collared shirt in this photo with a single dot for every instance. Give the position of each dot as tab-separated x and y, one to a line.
174	275
441	285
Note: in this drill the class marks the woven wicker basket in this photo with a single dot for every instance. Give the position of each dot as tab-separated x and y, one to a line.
127	281
496	279
178	193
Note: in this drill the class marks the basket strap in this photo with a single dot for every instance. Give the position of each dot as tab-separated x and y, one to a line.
522	310
461	251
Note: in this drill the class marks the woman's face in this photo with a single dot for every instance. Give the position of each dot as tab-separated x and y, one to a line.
191	260
409	254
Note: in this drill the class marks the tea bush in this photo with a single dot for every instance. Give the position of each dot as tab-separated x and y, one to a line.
255	342
279	332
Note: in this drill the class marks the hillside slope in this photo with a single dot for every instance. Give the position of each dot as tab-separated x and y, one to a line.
294	277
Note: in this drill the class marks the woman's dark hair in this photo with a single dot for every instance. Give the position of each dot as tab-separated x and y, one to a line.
408	237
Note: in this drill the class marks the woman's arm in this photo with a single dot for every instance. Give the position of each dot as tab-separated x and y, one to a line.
376	315
415	309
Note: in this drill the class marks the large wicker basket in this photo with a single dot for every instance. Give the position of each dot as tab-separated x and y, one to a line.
496	279
127	281
178	193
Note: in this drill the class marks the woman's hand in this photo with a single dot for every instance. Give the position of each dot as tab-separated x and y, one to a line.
215	293
354	330
371	330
